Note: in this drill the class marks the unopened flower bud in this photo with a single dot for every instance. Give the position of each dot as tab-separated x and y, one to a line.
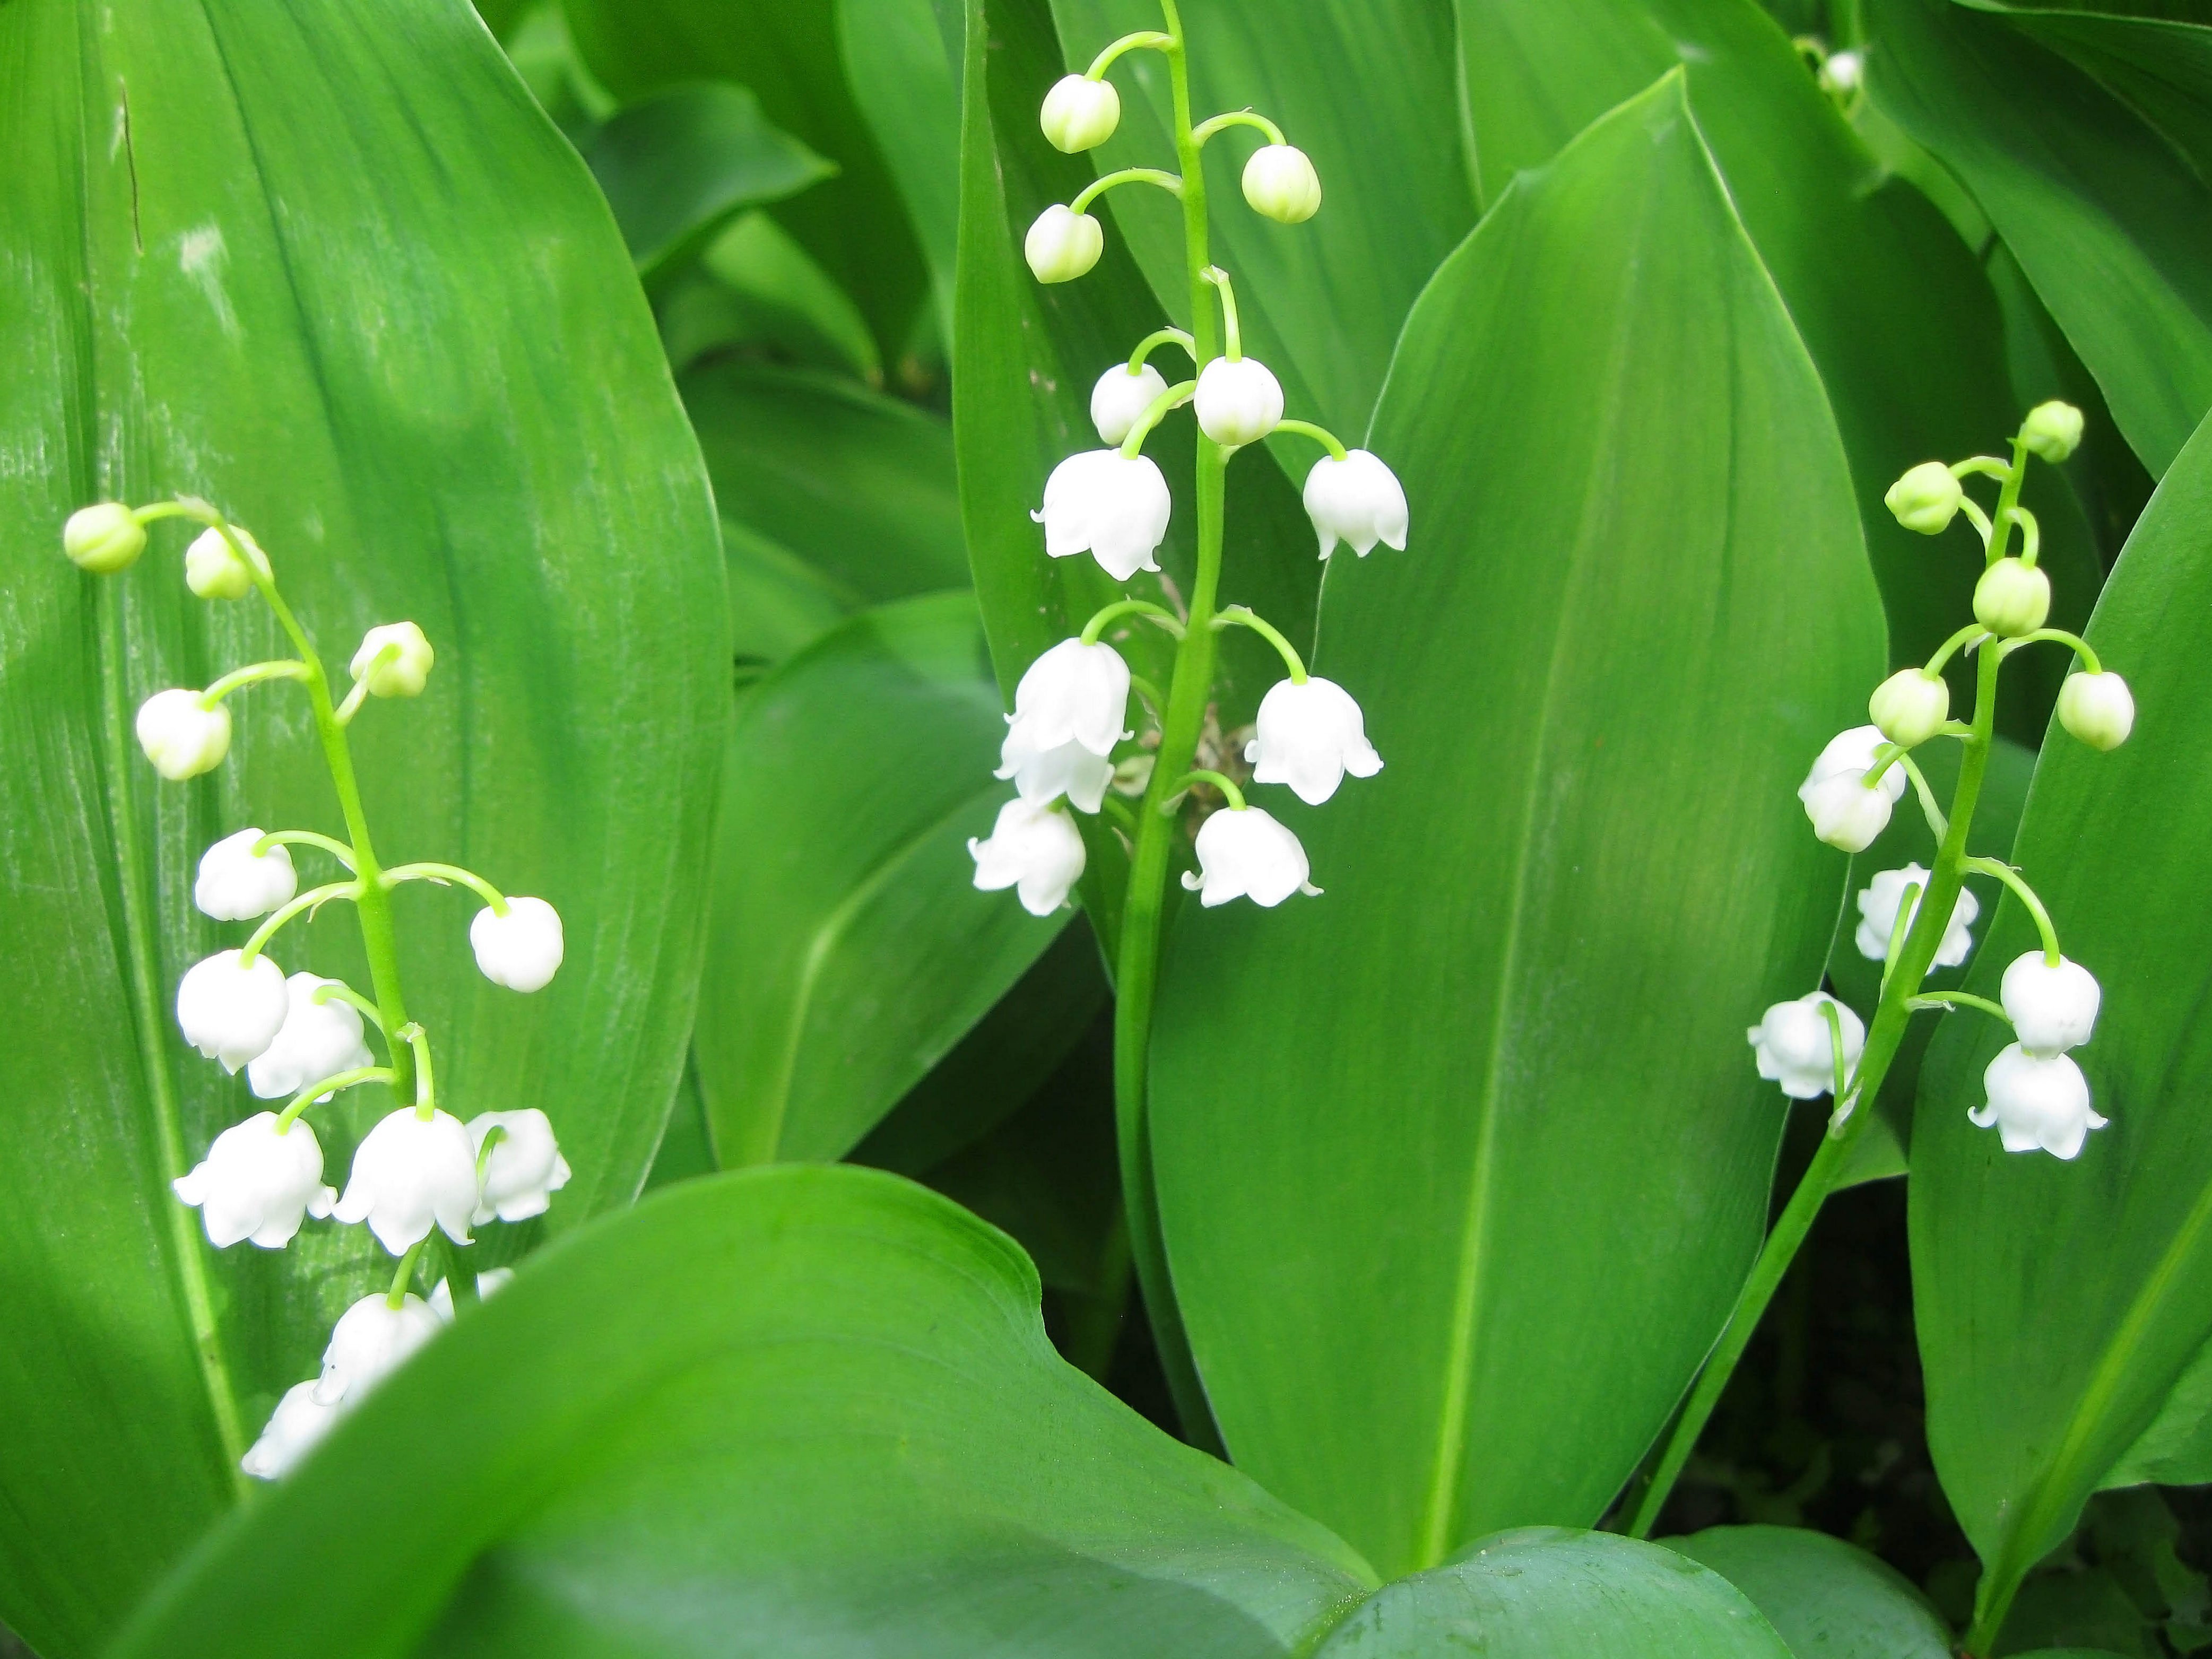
1120	398
1794	1048
1238	402
213	571
181	738
526	1168
1926	498
1246	854
2052	1009
2098	708
1308	736
231	1010
1111	506
2011	599
1063	244
257	1183
298	1423
1281	185
2052	431
521	950
103	538
1069	711
1841	73
318	1039
1357	499
1081	114
1879	901
370	1341
1033	848
1910	706
2036	1104
395	659
237	884
410	1173
1845	812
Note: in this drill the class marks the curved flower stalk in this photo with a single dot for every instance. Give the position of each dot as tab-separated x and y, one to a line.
1071	734
1914	919
304	1039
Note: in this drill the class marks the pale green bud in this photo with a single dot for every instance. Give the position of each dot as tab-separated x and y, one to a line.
395	659
2011	599
1926	498
1063	244
214	572
1081	114
1909	706
1280	184
2052	431
103	539
2098	708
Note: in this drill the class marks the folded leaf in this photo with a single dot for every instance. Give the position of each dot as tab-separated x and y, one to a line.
1823	1596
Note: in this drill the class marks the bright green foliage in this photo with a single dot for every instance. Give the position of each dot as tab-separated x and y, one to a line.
2058	1304
1825	1599
904	68
1488	1196
337	274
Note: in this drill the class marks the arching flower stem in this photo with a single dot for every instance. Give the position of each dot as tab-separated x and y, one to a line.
1319	434
1173	399
1233	347
2021	890
444	874
313	898
1225	784
1235	117
1099	186
1160	337
2079	646
314	1091
1245	617
283	669
1142	40
338	849
1158	614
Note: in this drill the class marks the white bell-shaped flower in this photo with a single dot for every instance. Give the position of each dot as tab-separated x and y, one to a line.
526	1168
230	1010
1033	848
1074	692
1063	244
395	659
257	1183
371	1341
1844	812
214	572
1043	776
1308	736
2099	709
1280	184
1079	113
237	884
317	1040
2037	1103
1111	506
490	1281
409	1174
1356	500
1878	905
521	950
182	738
299	1421
1245	854
1795	1049
1237	403
2052	1009
1121	397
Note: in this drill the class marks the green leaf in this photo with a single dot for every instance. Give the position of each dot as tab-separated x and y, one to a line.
904	70
1826	1598
678	163
1366	88
340	277
1542	1593
800	1410
755	286
1452	1235
2109	221
849	950
2075	1295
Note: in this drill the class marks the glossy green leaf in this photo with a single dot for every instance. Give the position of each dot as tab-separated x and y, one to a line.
1366	88
849	950
1904	326
904	70
755	288
2109	221
1826	1598
1542	1593
338	274
2076	1294
1451	1235
778	1412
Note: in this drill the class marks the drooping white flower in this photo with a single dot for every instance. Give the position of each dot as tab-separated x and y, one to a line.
521	950
1844	812
1121	397
104	537
1043	776
256	1183
395	659
214	572
1079	113
2052	1009
317	1040
1280	184
1247	854
237	884
370	1341
1111	506
1033	848
1909	706
409	1174
230	1012
2037	1103
526	1168
182	738
1357	499
1795	1049
490	1281
2097	709
1073	691
1308	736
1878	905
1239	402
1063	244
294	1428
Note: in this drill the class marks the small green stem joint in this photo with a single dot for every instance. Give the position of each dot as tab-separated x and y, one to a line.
1226	785
1158	614
1232	339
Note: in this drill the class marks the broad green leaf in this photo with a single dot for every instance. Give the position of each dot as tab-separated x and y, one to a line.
339	275
849	950
1451	1235
1826	1598
2176	1448
787	54
779	604
2111	223
2060	1304
1367	89
678	163
905	76
1542	1593
2159	65
785	1411
755	286
1903	326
